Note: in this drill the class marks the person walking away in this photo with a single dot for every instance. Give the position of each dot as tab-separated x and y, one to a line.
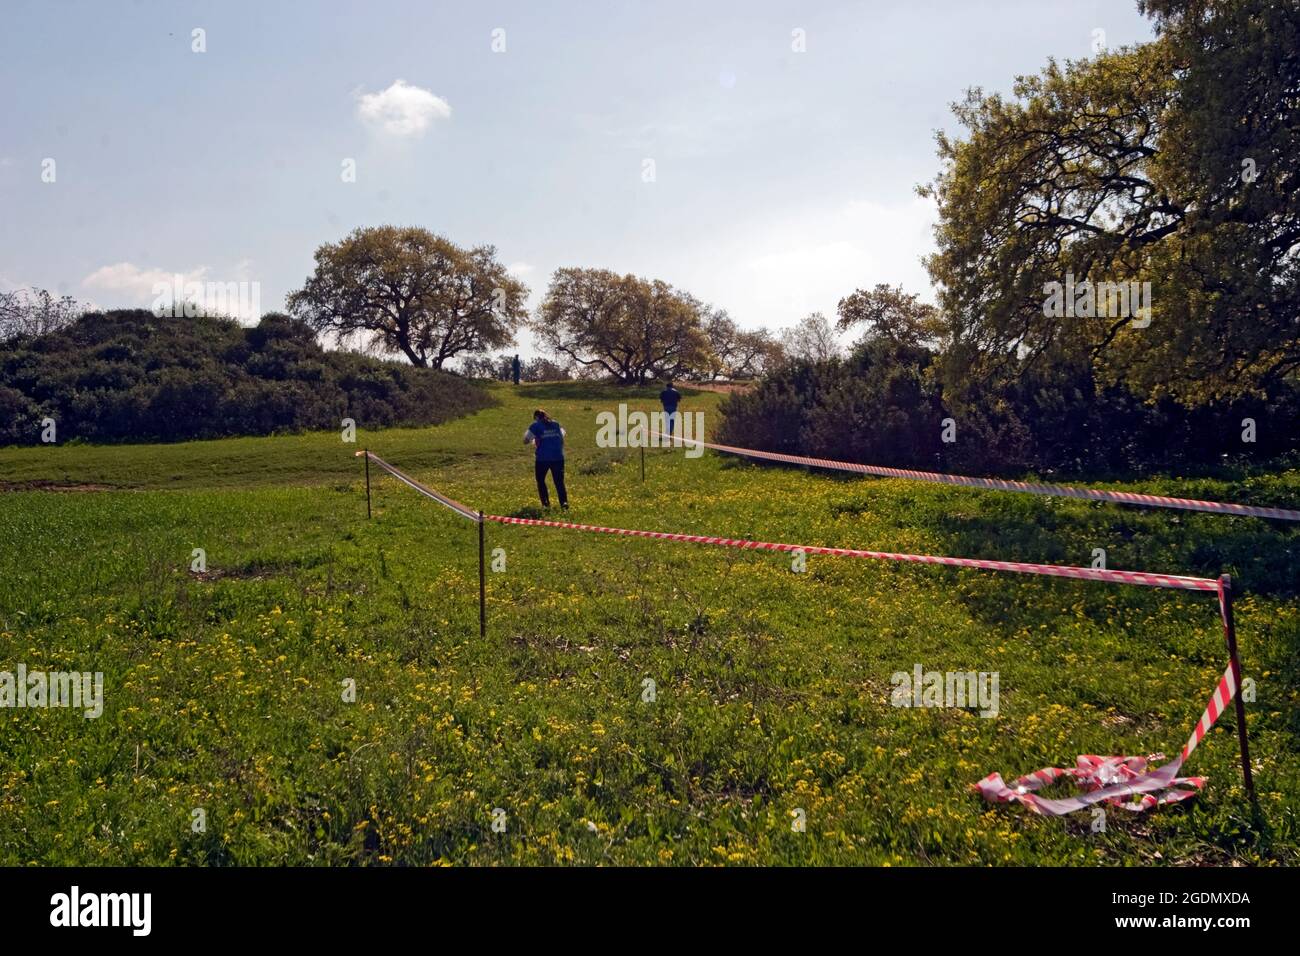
514	369
669	398
547	438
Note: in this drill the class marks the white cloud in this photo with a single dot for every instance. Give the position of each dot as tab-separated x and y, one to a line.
520	269
134	284
402	109
130	285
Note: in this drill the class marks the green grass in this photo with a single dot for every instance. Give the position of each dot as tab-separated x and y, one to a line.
224	690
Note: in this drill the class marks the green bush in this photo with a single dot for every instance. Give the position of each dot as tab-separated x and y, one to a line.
884	406
134	376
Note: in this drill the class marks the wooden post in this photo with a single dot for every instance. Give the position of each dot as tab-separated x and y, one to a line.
365	453
1230	635
482	582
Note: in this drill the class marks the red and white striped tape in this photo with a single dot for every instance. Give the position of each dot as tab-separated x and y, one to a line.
1108	779
1142	578
1051	570
1103	778
996	484
1113	780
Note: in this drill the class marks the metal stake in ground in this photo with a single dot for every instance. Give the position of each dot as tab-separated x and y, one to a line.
365	453
482	583
1230	635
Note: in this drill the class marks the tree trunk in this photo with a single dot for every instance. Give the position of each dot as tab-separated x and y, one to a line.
416	360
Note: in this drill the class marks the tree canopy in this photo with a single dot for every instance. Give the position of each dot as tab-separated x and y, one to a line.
811	339
412	292
1175	164
625	326
890	313
736	353
27	313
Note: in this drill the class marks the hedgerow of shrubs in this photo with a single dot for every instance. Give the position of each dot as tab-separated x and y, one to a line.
883	405
134	376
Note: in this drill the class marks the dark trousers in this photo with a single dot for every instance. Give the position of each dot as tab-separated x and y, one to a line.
556	468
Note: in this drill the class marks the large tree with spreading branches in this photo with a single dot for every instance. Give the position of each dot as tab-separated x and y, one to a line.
624	326
409	291
1174	163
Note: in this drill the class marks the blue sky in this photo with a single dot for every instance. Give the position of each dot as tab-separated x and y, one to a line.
782	179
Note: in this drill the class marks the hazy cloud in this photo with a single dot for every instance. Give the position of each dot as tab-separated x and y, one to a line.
807	260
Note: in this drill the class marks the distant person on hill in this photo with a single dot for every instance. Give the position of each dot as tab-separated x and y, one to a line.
669	398
514	369
547	438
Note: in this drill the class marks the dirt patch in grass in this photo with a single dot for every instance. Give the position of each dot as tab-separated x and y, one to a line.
241	574
47	485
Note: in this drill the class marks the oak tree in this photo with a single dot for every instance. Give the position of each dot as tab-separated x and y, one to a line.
624	326
409	291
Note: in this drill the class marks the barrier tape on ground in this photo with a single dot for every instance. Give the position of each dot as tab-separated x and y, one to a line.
1112	780
996	484
442	499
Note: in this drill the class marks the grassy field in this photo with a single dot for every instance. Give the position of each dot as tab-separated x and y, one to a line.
224	690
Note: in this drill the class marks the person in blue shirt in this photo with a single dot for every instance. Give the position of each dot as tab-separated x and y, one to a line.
547	438
669	398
